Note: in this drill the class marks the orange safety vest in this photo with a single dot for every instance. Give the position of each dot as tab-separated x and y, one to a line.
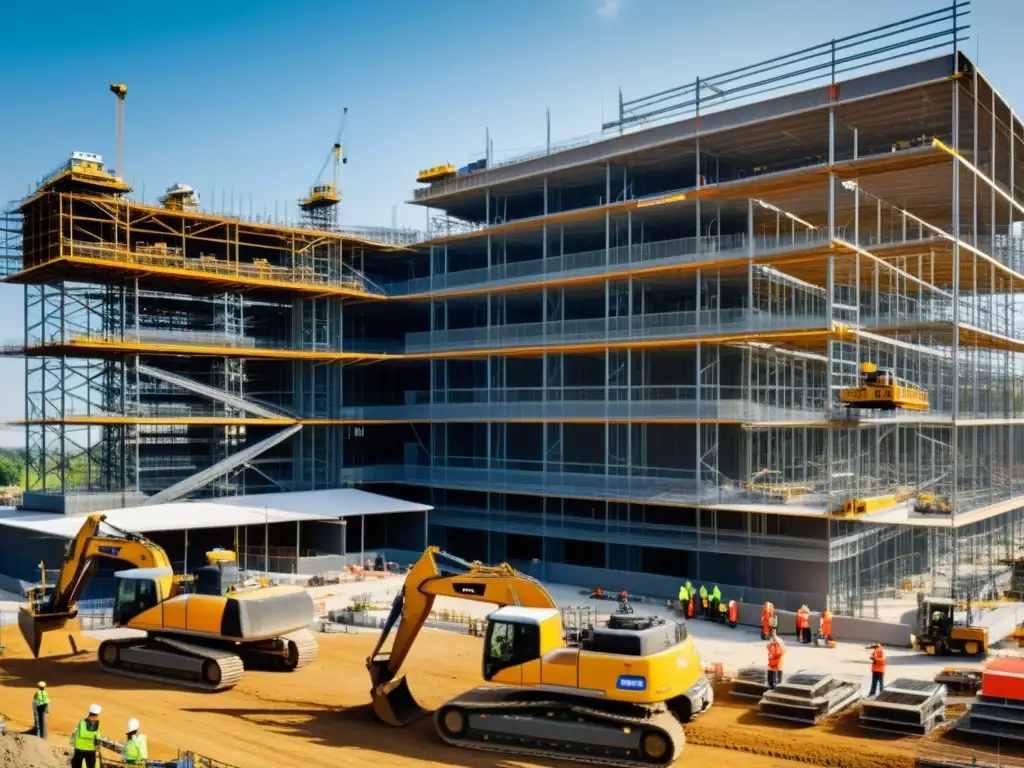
803	619
775	654
766	615
734	612
878	660
826	623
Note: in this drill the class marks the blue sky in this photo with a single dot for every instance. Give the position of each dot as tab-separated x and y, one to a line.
246	96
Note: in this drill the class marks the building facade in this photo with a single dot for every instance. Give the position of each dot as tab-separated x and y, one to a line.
619	363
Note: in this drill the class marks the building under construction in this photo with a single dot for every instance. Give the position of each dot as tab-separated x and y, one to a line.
765	341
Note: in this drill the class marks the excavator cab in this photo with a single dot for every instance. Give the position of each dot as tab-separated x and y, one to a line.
515	636
138	590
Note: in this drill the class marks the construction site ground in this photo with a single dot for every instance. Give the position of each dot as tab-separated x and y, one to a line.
320	716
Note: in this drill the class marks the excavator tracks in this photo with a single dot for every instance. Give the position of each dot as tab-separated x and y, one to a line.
302	649
525	721
171	661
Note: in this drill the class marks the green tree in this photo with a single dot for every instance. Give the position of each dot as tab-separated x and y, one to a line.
10	471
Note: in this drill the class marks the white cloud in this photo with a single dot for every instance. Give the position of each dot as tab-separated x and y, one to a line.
609	8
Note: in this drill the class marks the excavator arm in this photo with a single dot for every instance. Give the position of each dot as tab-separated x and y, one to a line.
52	608
435	574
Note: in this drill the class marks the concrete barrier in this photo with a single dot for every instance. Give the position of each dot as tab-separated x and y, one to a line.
844	628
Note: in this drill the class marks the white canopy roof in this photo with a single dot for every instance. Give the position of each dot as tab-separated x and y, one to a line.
228	512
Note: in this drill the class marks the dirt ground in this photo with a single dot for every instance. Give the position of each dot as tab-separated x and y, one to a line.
320	716
17	751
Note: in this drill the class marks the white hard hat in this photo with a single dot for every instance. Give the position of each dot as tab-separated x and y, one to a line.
42	684
133	725
95	709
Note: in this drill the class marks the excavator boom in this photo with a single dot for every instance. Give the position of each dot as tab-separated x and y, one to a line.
51	616
435	574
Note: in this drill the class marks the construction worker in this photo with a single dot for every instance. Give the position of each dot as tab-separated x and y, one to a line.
877	670
85	739
704	601
776	650
734	613
722	614
767	611
134	751
825	628
40	709
689	590
684	598
803	624
716	599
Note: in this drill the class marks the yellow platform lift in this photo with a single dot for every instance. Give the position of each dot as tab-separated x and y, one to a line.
882	390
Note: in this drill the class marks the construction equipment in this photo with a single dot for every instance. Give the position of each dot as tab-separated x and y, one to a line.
437	173
868	504
120	90
771	484
882	390
320	206
201	630
615	693
930	504
938	634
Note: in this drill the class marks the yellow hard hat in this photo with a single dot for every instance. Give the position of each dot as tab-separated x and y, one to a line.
41	684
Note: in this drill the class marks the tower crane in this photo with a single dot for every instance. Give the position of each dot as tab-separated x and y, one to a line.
120	90
320	207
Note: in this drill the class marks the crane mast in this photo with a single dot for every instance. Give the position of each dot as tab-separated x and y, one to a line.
120	90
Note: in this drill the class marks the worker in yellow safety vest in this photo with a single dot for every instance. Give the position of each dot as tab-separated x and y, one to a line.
85	739
134	751
40	709
703	601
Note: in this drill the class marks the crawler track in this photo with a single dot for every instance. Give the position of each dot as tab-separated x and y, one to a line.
166	660
518	721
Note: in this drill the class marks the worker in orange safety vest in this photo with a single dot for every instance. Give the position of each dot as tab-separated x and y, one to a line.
825	628
767	611
877	669
803	624
734	613
776	650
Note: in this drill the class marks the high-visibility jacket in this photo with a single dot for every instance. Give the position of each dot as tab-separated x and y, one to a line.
86	736
689	590
766	614
803	619
734	612
826	623
722	608
41	699
775	653
134	751
683	596
703	593
716	594
878	660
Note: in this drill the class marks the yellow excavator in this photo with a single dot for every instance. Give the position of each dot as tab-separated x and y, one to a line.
615	693
202	630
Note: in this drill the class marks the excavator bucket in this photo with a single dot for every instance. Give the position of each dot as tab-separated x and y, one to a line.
50	635
394	704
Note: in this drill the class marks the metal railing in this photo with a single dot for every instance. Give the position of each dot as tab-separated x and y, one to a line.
629	328
301	274
639	534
